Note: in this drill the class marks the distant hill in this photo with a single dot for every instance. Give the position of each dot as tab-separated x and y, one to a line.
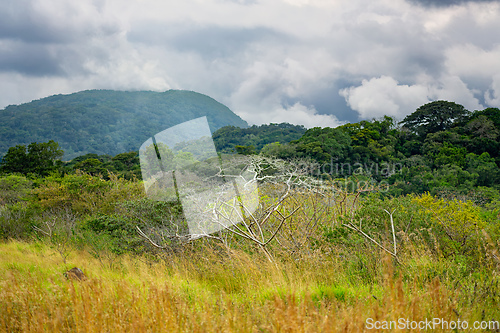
107	121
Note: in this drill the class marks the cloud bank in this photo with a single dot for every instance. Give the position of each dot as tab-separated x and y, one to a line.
310	62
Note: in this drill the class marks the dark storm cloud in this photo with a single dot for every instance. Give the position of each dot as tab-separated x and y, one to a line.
37	40
446	3
400	48
328	101
209	41
29	59
468	30
19	21
30	22
216	41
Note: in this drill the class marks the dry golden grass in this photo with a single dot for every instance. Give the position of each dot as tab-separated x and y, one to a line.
207	292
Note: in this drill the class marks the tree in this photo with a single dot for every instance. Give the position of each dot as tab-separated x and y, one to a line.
15	161
38	158
245	150
42	157
482	127
226	138
14	188
324	144
435	116
485	167
236	206
276	149
92	166
125	161
492	114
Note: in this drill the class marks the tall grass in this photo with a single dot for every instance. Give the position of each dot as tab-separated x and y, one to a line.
208	291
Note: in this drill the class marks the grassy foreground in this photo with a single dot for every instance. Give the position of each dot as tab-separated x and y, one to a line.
334	261
208	291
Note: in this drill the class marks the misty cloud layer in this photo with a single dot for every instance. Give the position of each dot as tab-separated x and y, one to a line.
310	62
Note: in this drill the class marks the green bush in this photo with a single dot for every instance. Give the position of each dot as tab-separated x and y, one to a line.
84	194
118	233
17	221
14	188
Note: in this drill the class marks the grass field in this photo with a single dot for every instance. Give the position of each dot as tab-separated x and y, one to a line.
207	290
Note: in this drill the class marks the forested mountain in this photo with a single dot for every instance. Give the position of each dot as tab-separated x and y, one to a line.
106	121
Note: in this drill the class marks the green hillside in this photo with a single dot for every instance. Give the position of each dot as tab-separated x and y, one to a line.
106	121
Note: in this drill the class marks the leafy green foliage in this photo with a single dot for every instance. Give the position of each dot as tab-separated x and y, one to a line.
324	144
17	220
118	233
125	165
245	150
14	188
227	138
456	225
435	116
460	158
37	158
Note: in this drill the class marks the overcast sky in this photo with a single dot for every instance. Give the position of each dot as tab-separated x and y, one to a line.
309	62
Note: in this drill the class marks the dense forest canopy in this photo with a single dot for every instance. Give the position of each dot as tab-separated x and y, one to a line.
106	121
228	138
440	147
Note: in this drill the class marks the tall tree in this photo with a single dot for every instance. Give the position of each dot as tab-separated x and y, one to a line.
434	117
38	158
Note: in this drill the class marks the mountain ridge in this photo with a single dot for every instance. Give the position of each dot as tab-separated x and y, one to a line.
107	121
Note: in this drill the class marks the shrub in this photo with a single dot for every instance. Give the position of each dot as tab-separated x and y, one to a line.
118	234
85	194
16	221
14	188
456	224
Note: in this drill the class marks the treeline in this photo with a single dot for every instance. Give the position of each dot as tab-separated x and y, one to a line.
231	139
43	159
441	147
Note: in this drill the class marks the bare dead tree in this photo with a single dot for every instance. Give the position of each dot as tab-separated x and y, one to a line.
59	228
261	223
359	230
233	204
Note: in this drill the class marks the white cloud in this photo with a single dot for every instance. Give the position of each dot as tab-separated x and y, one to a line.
470	60
452	88
259	97
16	88
297	114
385	96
